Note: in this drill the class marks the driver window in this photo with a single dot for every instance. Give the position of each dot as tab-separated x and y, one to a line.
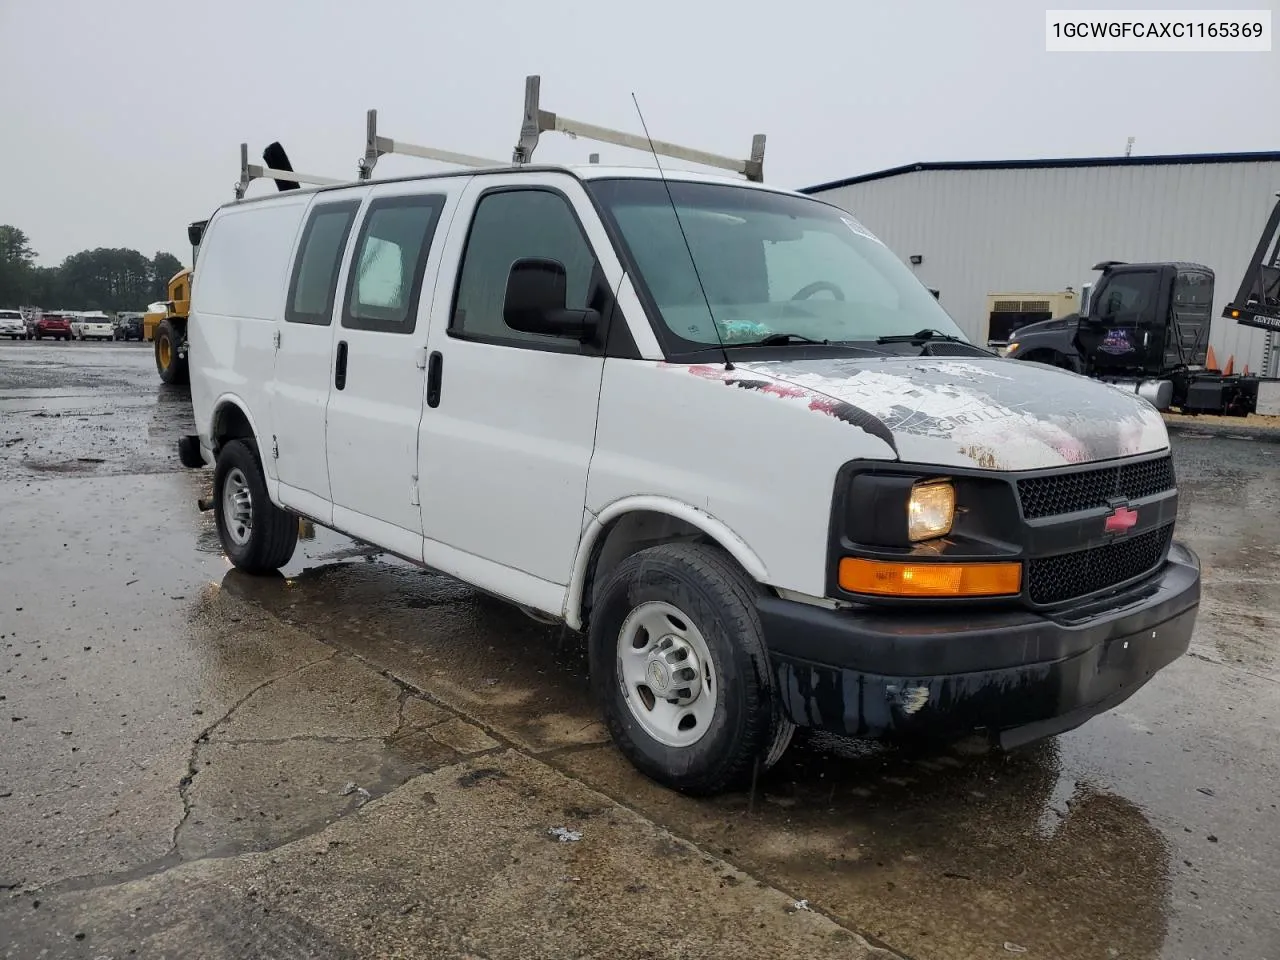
1128	298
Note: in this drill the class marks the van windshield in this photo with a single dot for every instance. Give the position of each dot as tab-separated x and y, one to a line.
771	264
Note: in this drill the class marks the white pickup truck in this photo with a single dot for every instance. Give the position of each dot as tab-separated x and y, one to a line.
717	426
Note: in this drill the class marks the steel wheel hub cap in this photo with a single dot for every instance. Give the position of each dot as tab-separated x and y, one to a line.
674	670
666	674
237	507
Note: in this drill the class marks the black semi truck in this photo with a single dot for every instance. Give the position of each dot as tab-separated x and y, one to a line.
1145	327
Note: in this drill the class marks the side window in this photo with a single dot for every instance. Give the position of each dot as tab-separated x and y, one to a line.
315	270
1129	298
509	225
390	258
1193	288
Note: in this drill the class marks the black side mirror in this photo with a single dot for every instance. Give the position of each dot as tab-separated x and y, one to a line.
535	302
195	232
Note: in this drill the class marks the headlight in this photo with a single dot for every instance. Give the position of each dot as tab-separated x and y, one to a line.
930	510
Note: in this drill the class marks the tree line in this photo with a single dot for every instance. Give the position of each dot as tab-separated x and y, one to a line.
108	279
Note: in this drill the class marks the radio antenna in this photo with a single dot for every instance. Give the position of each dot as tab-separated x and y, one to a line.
728	364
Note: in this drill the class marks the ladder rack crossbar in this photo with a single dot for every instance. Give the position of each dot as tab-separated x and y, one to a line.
257	172
590	131
536	121
387	145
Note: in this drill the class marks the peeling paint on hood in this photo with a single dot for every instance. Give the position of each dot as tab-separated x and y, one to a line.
987	412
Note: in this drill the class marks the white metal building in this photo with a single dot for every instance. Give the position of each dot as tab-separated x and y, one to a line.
980	228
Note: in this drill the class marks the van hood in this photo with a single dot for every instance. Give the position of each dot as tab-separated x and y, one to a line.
992	413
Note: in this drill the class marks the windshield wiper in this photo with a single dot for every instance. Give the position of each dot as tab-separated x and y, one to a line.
778	339
920	338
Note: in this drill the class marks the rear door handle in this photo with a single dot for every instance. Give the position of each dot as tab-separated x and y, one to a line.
435	363
340	368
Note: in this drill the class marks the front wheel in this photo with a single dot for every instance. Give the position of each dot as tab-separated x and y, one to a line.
258	536
680	667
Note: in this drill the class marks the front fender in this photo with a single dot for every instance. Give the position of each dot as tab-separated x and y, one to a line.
1058	341
716	529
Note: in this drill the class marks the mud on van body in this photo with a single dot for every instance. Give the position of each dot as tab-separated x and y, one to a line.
718	427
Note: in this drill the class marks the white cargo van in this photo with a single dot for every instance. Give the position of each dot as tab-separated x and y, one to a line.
718	427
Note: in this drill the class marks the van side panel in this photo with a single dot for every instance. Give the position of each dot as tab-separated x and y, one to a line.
237	297
747	452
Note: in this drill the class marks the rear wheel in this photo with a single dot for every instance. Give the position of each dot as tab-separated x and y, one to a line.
171	367
257	536
679	665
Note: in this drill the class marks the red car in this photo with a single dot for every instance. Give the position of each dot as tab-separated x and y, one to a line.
52	325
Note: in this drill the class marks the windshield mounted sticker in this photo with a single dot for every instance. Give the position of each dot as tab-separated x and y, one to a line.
860	230
741	331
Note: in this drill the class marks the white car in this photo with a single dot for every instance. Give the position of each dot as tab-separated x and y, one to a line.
765	473
93	326
12	325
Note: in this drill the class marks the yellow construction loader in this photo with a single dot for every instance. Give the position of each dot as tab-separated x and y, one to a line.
165	324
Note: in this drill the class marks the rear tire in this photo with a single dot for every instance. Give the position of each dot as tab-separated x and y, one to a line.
660	611
171	367
258	536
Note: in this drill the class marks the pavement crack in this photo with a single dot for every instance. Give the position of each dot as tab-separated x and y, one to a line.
400	702
303	738
184	784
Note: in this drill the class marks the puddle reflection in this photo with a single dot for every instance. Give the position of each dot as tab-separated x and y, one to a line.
944	854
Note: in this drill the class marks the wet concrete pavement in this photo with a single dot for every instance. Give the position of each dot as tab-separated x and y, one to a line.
363	759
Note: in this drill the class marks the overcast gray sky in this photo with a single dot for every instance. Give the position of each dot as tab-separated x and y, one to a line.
121	121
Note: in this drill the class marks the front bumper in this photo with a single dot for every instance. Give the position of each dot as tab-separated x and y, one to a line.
1015	676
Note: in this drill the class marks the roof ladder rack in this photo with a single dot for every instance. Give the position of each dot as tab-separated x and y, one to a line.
254	171
377	146
538	121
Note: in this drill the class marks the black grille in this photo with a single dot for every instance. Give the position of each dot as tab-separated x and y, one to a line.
1071	575
1090	489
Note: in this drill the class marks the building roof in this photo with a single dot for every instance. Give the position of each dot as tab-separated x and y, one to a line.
1264	156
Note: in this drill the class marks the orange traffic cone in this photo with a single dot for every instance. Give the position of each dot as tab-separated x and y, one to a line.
1211	361
1231	364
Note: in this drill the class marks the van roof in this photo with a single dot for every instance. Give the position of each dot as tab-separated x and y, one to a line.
592	171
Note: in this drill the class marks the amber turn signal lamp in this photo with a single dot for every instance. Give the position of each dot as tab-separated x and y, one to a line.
887	579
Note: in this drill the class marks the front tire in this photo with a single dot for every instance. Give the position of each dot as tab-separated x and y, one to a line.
258	536
171	367
680	668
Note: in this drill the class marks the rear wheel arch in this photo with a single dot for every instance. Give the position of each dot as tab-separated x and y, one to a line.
231	421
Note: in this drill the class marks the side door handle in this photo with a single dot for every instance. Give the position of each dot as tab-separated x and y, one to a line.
435	364
340	368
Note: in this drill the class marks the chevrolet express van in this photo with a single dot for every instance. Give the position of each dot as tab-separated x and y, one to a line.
716	426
